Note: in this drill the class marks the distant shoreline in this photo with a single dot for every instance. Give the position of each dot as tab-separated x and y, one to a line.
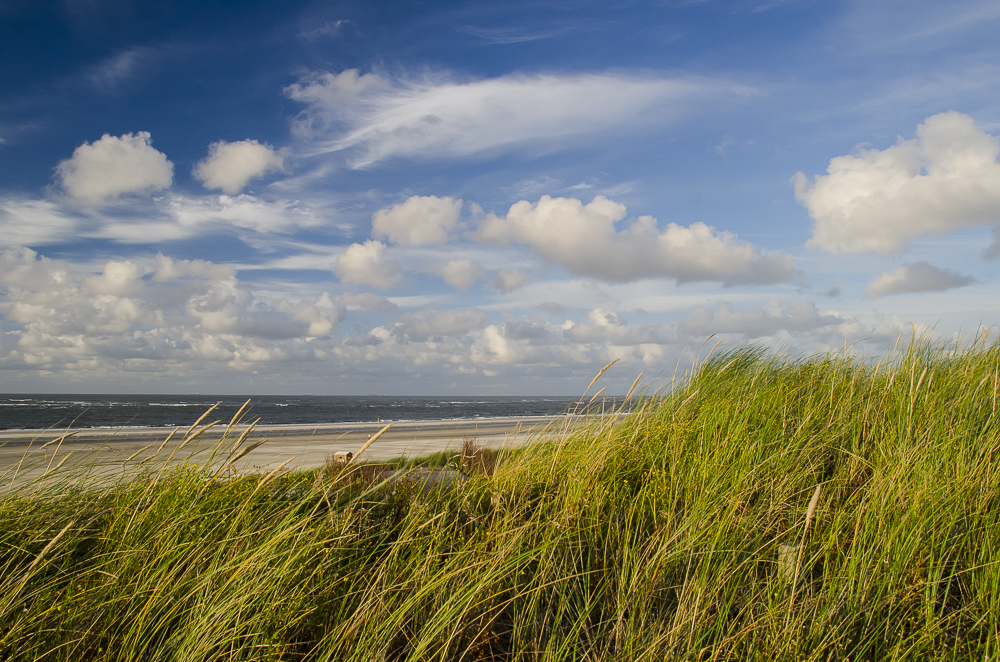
305	446
138	416
133	433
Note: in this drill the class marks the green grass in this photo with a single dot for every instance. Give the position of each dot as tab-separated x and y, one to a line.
651	537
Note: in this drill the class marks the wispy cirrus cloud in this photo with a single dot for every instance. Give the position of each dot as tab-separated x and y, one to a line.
118	68
509	35
374	117
25	221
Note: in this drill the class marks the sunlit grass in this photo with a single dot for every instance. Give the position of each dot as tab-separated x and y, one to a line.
645	537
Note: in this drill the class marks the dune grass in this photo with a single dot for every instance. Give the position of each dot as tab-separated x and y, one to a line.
773	508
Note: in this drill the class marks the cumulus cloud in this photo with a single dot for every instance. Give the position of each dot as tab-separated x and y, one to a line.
114	166
605	335
508	280
171	321
583	240
365	264
426	324
875	200
168	268
119	278
421	220
460	274
918	277
168	312
229	166
380	118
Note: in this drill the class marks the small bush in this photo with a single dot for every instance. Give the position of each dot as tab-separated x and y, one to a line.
477	459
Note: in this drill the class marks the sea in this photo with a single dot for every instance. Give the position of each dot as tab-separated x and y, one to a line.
34	411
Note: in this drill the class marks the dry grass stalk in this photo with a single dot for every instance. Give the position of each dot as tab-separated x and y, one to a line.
629	394
268	477
201	418
599	373
132	456
237	416
45	550
243	436
371	441
810	512
596	395
56	468
59	439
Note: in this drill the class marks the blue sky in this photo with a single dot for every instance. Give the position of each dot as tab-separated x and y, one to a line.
356	198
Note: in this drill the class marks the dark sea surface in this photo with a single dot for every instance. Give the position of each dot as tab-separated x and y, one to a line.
28	411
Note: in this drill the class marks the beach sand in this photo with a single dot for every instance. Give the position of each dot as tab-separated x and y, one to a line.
31	453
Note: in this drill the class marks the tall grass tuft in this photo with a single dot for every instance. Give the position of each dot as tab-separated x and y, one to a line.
650	536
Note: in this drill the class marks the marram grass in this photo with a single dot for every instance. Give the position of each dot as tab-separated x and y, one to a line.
818	508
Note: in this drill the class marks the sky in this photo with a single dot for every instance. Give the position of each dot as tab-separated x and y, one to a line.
485	198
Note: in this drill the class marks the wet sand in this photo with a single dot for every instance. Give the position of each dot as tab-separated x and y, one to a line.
30	453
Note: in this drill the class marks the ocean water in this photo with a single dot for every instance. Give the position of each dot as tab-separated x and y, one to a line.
30	411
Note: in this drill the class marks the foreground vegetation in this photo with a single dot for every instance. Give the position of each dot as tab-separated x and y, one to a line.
771	509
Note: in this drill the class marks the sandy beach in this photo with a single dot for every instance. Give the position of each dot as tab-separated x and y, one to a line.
32	452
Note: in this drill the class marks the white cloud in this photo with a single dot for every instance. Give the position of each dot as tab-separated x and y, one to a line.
119	278
365	264
992	251
918	277
368	301
553	308
875	200
460	274
166	322
113	166
508	35
426	324
797	316
419	221
188	312
35	222
507	280
382	118
326	29
229	166
167	268
583	240
114	70
605	335
242	211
